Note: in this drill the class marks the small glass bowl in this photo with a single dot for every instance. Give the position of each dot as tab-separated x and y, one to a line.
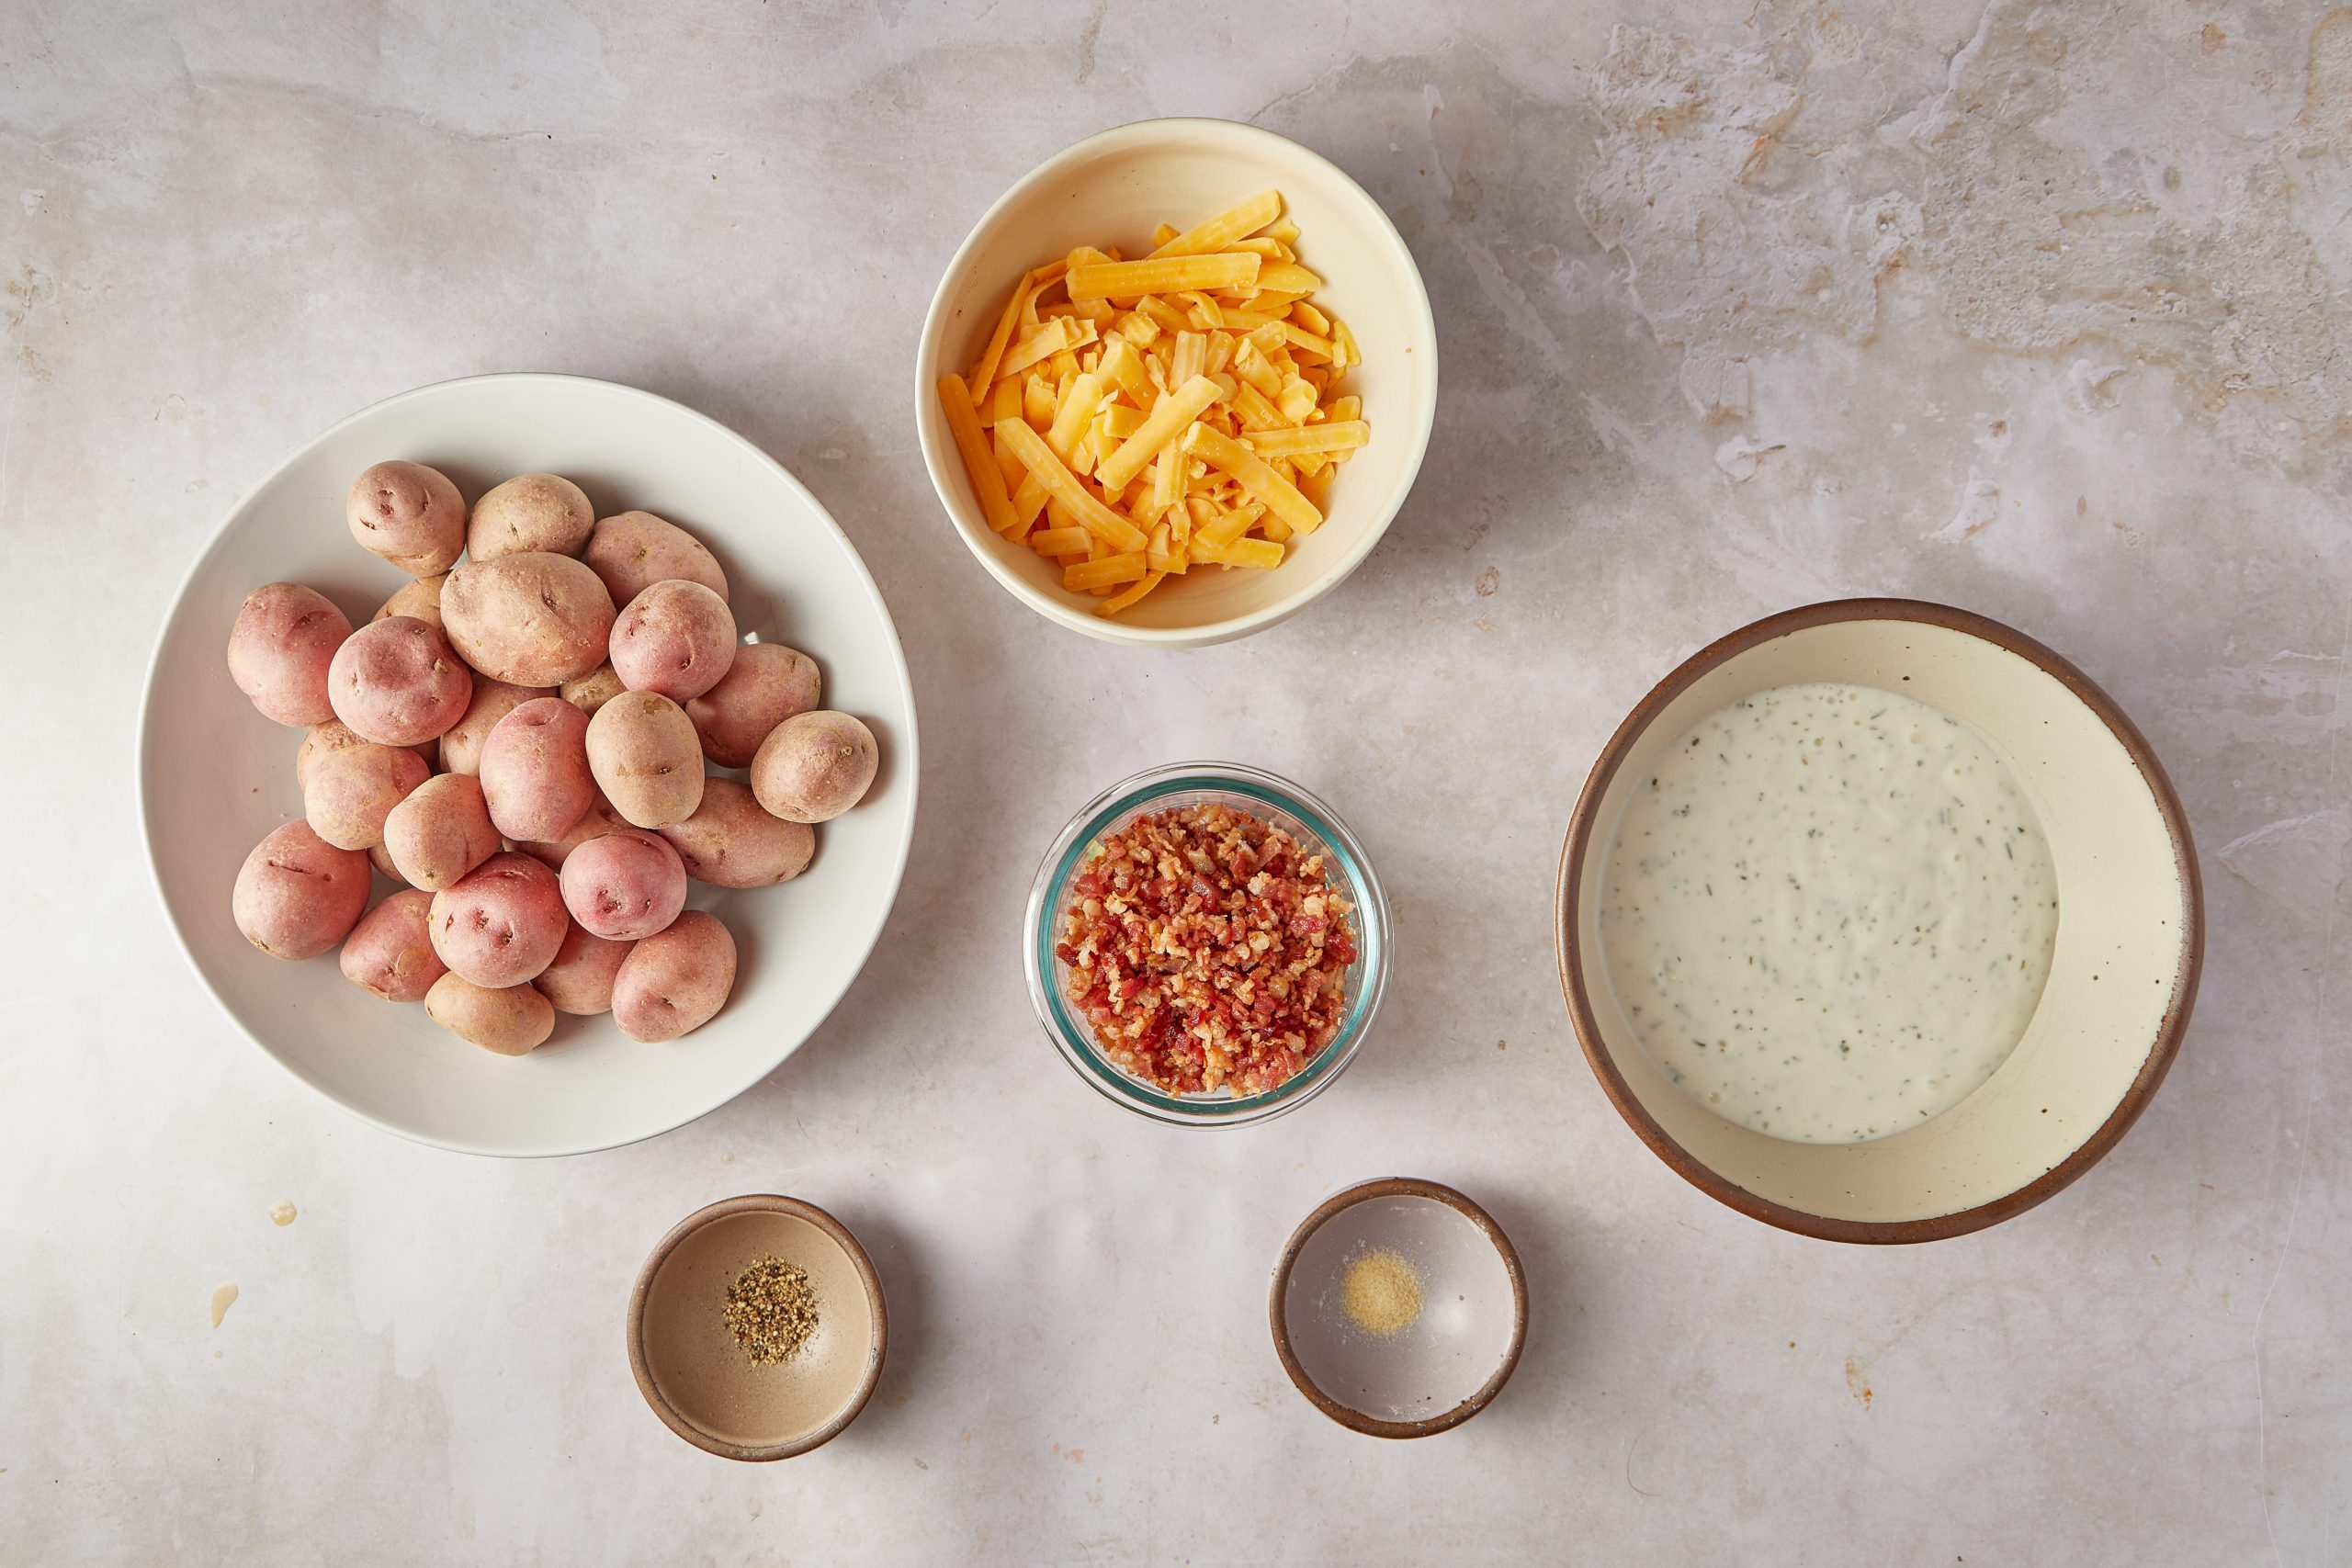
1272	799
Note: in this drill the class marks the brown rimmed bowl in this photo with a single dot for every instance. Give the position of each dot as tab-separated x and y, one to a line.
699	1381
2123	976
1451	1361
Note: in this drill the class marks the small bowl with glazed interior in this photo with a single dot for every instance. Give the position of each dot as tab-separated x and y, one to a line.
701	1381
1314	826
2122	969
1399	1308
1113	189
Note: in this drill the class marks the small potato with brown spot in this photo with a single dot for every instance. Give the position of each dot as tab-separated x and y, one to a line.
440	832
420	598
334	735
766	684
731	842
297	895
634	550
815	766
281	649
646	758
530	512
593	690
512	1021
533	619
348	792
674	982
395	681
501	924
389	951
677	638
493	700
535	770
410	514
599	819
625	886
581	978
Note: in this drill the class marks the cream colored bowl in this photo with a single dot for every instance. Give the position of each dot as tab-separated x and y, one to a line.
1113	189
2122	979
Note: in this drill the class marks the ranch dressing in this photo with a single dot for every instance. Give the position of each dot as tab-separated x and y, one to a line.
1827	912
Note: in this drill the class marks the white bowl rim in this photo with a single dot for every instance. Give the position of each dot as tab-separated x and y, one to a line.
909	747
927	393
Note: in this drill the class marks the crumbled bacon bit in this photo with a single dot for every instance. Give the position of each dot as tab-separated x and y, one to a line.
1206	950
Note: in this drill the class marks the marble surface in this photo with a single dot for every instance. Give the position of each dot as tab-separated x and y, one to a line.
2038	310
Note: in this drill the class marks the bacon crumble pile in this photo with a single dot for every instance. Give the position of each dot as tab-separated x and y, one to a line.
1206	951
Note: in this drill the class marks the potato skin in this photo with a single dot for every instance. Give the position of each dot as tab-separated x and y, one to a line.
440	832
281	647
334	735
297	895
766	684
395	681
581	979
731	842
501	924
675	981
814	766
535	770
593	690
389	953
634	550
421	598
348	792
530	512
512	1021
625	886
532	619
647	760
461	743
381	858
599	819
677	638
410	514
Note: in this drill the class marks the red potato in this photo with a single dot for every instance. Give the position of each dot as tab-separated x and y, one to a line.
593	690
421	598
634	550
349	791
381	858
535	771
599	819
731	842
766	684
814	766
512	1021
441	831
581	978
501	924
533	619
334	735
676	637
493	700
625	886
647	760
297	895
675	981
389	951
395	681
530	512
410	514
280	650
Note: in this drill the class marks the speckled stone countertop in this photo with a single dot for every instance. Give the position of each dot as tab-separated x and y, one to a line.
2035	309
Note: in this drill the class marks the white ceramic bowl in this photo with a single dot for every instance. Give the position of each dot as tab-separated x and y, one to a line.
215	776
2122	976
1113	189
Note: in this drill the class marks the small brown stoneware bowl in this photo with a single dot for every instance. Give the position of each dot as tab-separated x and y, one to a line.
1451	1361
2122	976
697	1377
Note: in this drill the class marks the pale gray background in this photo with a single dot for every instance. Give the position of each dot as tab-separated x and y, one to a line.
2038	310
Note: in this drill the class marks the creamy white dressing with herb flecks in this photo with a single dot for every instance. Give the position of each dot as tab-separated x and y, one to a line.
1828	912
